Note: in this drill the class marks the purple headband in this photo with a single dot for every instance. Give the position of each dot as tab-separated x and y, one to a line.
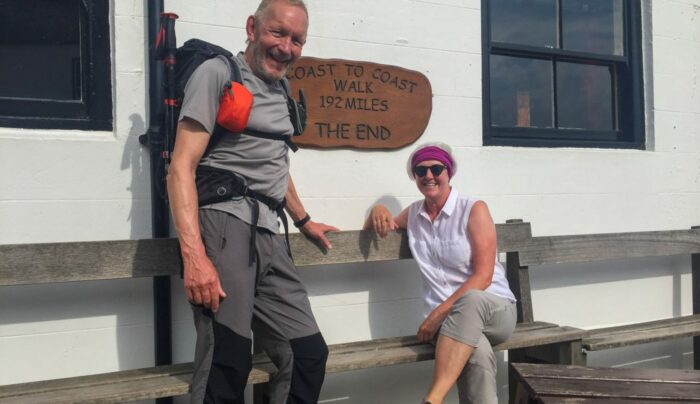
433	153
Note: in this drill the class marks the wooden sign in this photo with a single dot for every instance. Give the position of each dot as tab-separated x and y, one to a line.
360	104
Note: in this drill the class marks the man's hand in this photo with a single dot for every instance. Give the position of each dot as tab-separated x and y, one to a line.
318	231
202	283
431	325
296	211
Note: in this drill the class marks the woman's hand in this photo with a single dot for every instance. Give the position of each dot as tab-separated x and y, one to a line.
381	220
431	325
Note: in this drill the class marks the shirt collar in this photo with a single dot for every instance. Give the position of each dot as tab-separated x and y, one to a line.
448	209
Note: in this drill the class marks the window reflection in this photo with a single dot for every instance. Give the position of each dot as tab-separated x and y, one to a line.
584	96
40	49
521	92
592	26
525	22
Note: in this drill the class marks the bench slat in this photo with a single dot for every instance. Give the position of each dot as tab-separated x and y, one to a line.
110	393
391	342
689	319
98	260
539	337
94	380
102	386
641	333
64	262
604	373
611	390
172	380
607	384
131	385
613	246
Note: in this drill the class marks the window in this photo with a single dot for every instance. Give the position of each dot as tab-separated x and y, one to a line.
55	70
563	73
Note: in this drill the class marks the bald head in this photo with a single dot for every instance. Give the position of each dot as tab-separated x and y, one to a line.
261	12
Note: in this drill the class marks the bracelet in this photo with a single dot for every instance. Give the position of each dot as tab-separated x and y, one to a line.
301	222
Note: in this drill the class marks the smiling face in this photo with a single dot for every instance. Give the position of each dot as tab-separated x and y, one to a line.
275	39
430	186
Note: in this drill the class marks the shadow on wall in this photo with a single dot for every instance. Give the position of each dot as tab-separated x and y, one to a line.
135	158
135	326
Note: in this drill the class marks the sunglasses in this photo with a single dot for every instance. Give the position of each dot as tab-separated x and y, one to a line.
421	171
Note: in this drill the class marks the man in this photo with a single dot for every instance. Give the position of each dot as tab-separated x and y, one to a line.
238	275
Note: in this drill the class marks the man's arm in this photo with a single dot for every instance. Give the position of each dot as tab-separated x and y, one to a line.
200	277
297	212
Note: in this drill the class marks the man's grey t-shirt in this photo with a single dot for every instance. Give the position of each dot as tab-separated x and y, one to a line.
262	162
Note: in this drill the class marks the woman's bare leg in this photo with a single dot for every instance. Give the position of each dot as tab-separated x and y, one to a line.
450	358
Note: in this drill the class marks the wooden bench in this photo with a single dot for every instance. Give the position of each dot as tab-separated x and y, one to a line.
72	262
575	384
595	248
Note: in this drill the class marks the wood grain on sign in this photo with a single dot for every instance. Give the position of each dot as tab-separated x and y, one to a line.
360	104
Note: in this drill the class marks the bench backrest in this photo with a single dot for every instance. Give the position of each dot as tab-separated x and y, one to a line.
95	260
599	247
78	261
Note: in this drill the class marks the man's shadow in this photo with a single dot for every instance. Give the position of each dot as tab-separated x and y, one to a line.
135	159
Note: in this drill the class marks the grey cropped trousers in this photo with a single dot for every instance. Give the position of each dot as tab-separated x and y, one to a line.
479	319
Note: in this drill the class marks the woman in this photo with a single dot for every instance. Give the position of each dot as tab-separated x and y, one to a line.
468	304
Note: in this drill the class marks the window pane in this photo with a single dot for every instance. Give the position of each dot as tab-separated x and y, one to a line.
40	49
521	92
584	96
525	22
592	26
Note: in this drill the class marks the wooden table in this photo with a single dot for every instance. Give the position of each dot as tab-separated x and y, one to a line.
576	384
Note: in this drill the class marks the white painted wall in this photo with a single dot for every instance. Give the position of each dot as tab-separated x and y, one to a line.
72	185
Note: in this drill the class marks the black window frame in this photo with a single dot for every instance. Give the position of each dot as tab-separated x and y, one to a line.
93	111
628	95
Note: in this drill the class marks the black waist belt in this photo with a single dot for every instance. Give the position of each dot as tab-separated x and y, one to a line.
219	185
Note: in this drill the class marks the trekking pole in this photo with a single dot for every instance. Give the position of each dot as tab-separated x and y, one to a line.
166	46
163	50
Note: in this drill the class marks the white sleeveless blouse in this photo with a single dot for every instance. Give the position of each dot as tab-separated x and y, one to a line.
443	252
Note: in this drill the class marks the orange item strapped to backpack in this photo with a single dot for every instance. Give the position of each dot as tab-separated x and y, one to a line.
235	106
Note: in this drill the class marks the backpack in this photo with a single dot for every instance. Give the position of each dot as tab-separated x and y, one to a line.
191	55
216	185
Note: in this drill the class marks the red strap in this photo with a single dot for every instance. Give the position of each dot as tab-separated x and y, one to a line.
159	38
